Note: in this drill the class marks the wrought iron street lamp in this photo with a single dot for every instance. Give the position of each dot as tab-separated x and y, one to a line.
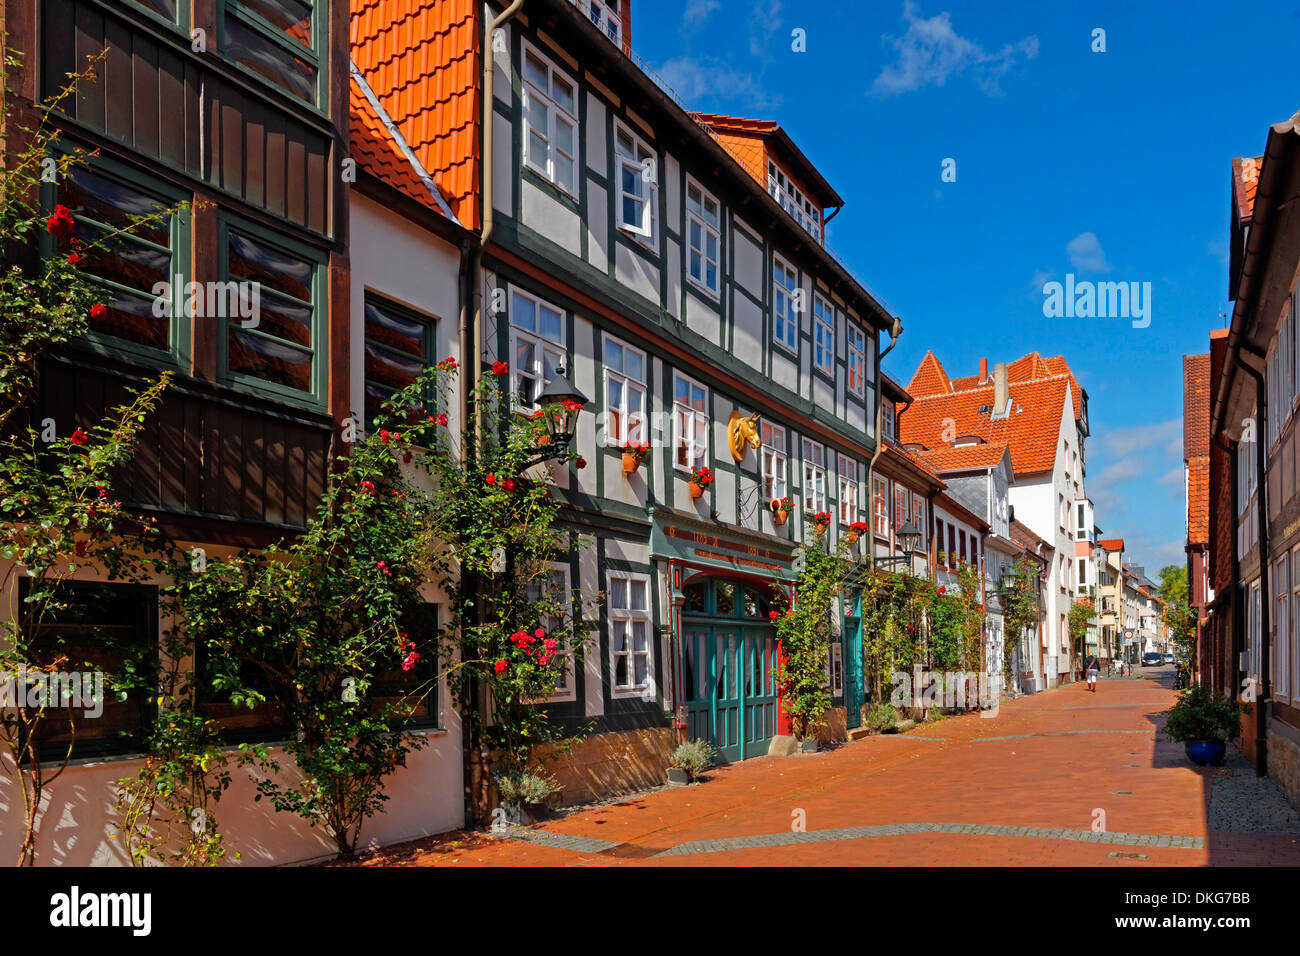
561	402
909	538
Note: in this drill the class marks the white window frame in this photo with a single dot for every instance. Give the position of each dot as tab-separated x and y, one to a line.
707	230
1282	626
624	618
823	335
887	422
918	517
1293	638
789	317
646	230
630	425
880	496
547	168
848	472
605	14
814	477
857	355
776	462
689	419
543	347
570	691
793	201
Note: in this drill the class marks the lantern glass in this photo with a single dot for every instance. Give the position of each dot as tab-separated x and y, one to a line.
909	536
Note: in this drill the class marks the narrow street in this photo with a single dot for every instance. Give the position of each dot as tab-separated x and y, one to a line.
1064	777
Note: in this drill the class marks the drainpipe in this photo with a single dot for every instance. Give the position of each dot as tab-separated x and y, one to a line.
477	773
1235	622
489	99
894	332
1261	545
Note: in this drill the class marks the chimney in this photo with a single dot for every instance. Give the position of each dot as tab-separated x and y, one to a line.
984	370
1000	390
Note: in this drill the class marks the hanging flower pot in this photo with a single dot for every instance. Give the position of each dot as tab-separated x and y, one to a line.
821	521
634	452
855	531
780	510
701	478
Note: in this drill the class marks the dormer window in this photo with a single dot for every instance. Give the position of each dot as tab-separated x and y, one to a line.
793	201
887	420
606	14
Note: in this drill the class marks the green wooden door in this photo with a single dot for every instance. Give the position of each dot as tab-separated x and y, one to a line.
852	663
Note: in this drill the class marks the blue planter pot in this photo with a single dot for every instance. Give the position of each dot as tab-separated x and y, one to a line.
1206	753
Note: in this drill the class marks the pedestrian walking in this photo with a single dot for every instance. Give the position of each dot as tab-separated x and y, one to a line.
1091	668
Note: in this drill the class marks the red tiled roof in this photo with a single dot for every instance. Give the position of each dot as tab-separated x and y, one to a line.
903	455
375	150
965	458
1111	544
1198	500
1022	535
1245	177
1031	430
421	57
929	378
1196	406
786	153
1030	368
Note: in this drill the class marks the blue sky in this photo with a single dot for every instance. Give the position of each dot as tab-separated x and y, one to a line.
1112	166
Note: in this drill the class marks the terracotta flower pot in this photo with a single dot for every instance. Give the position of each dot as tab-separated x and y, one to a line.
631	463
778	517
853	534
820	526
697	489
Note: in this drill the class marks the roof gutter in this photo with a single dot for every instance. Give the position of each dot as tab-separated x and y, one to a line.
894	332
1261	545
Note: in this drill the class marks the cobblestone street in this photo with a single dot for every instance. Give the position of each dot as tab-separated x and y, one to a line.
1065	777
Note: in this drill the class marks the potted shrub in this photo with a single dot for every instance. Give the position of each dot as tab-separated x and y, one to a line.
701	478
524	793
821	521
689	760
1202	722
781	508
882	718
634	452
856	531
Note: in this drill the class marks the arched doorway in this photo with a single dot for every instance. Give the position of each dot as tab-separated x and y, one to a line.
729	665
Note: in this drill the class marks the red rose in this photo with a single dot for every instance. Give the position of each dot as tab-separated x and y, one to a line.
78	437
97	311
491	479
383	434
74	258
500	666
500	368
508	484
442	420
60	222
772	615
582	463
539	634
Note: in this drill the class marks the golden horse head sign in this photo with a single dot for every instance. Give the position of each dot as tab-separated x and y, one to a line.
742	432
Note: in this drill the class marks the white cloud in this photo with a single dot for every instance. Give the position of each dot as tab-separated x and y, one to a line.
764	18
707	82
697	11
1122	442
931	51
1086	253
1174	476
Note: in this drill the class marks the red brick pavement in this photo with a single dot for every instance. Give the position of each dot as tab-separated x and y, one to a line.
1028	781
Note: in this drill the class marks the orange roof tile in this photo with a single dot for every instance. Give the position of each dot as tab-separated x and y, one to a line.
1030	368
1245	178
965	458
740	136
376	151
1198	500
1196	406
1111	544
930	378
421	58
1031	430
